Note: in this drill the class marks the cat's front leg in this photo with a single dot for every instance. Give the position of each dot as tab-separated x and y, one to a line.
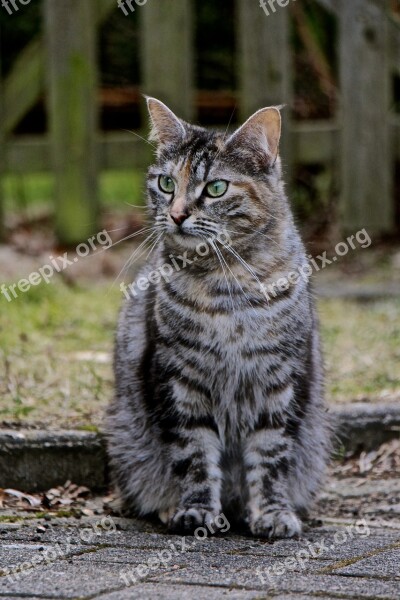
195	451
267	454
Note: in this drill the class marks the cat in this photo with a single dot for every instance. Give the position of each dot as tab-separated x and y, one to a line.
219	385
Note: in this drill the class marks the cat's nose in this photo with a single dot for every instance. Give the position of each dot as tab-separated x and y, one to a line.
179	217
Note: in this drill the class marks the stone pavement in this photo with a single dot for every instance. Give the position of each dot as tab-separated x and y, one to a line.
340	556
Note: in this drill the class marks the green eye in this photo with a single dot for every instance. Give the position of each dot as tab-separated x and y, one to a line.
216	189
166	184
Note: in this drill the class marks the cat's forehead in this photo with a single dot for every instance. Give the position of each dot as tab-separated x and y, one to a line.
194	159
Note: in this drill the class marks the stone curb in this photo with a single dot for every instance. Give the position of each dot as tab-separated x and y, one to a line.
363	426
33	460
39	460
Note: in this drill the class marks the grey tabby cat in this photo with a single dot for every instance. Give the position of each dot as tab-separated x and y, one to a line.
219	386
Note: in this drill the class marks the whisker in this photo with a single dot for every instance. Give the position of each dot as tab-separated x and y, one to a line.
255	232
140	137
154	244
141	207
250	270
239	284
225	133
136	233
218	253
134	255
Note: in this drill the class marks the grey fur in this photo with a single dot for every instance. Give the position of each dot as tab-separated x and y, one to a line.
219	389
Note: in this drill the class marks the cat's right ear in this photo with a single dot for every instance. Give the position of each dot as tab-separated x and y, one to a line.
166	128
261	132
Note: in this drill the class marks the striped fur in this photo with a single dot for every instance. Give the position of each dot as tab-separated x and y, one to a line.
219	389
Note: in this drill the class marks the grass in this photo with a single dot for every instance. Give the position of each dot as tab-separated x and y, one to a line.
56	344
362	348
53	343
29	192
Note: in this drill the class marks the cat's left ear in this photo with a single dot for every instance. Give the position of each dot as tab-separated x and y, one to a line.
166	128
262	131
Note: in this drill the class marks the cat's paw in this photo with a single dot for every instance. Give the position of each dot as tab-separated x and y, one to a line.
277	524
187	520
165	516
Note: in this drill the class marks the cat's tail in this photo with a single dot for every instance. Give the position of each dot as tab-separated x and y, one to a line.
312	451
140	470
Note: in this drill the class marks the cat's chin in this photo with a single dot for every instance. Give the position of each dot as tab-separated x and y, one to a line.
186	241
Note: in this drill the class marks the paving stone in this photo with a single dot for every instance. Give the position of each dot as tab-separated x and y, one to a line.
181	592
234	566
149	591
312	585
239	571
6	597
15	554
65	580
331	545
385	564
170	559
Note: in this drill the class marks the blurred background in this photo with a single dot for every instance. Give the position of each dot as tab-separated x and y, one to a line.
73	155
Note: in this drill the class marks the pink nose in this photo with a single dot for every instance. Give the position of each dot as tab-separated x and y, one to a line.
179	217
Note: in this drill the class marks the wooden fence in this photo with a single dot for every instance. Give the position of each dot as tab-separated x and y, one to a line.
361	144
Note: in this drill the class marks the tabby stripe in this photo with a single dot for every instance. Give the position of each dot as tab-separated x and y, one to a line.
193	345
266	420
181	358
191	385
174	319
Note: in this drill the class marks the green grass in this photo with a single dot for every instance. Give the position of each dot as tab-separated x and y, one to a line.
362	348
43	374
28	192
45	377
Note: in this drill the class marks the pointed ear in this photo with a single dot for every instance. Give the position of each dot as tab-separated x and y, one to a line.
262	131
166	128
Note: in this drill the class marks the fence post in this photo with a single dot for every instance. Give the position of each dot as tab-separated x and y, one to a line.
367	167
24	84
72	86
265	69
167	60
2	149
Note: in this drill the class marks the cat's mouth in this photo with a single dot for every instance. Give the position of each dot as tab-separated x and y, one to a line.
186	238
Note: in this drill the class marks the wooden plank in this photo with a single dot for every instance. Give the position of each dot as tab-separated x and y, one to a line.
314	142
167	59
72	84
2	152
25	83
394	26
395	137
114	151
366	167
265	66
264	57
23	86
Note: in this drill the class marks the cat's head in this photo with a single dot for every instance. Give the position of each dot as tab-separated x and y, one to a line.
206	182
